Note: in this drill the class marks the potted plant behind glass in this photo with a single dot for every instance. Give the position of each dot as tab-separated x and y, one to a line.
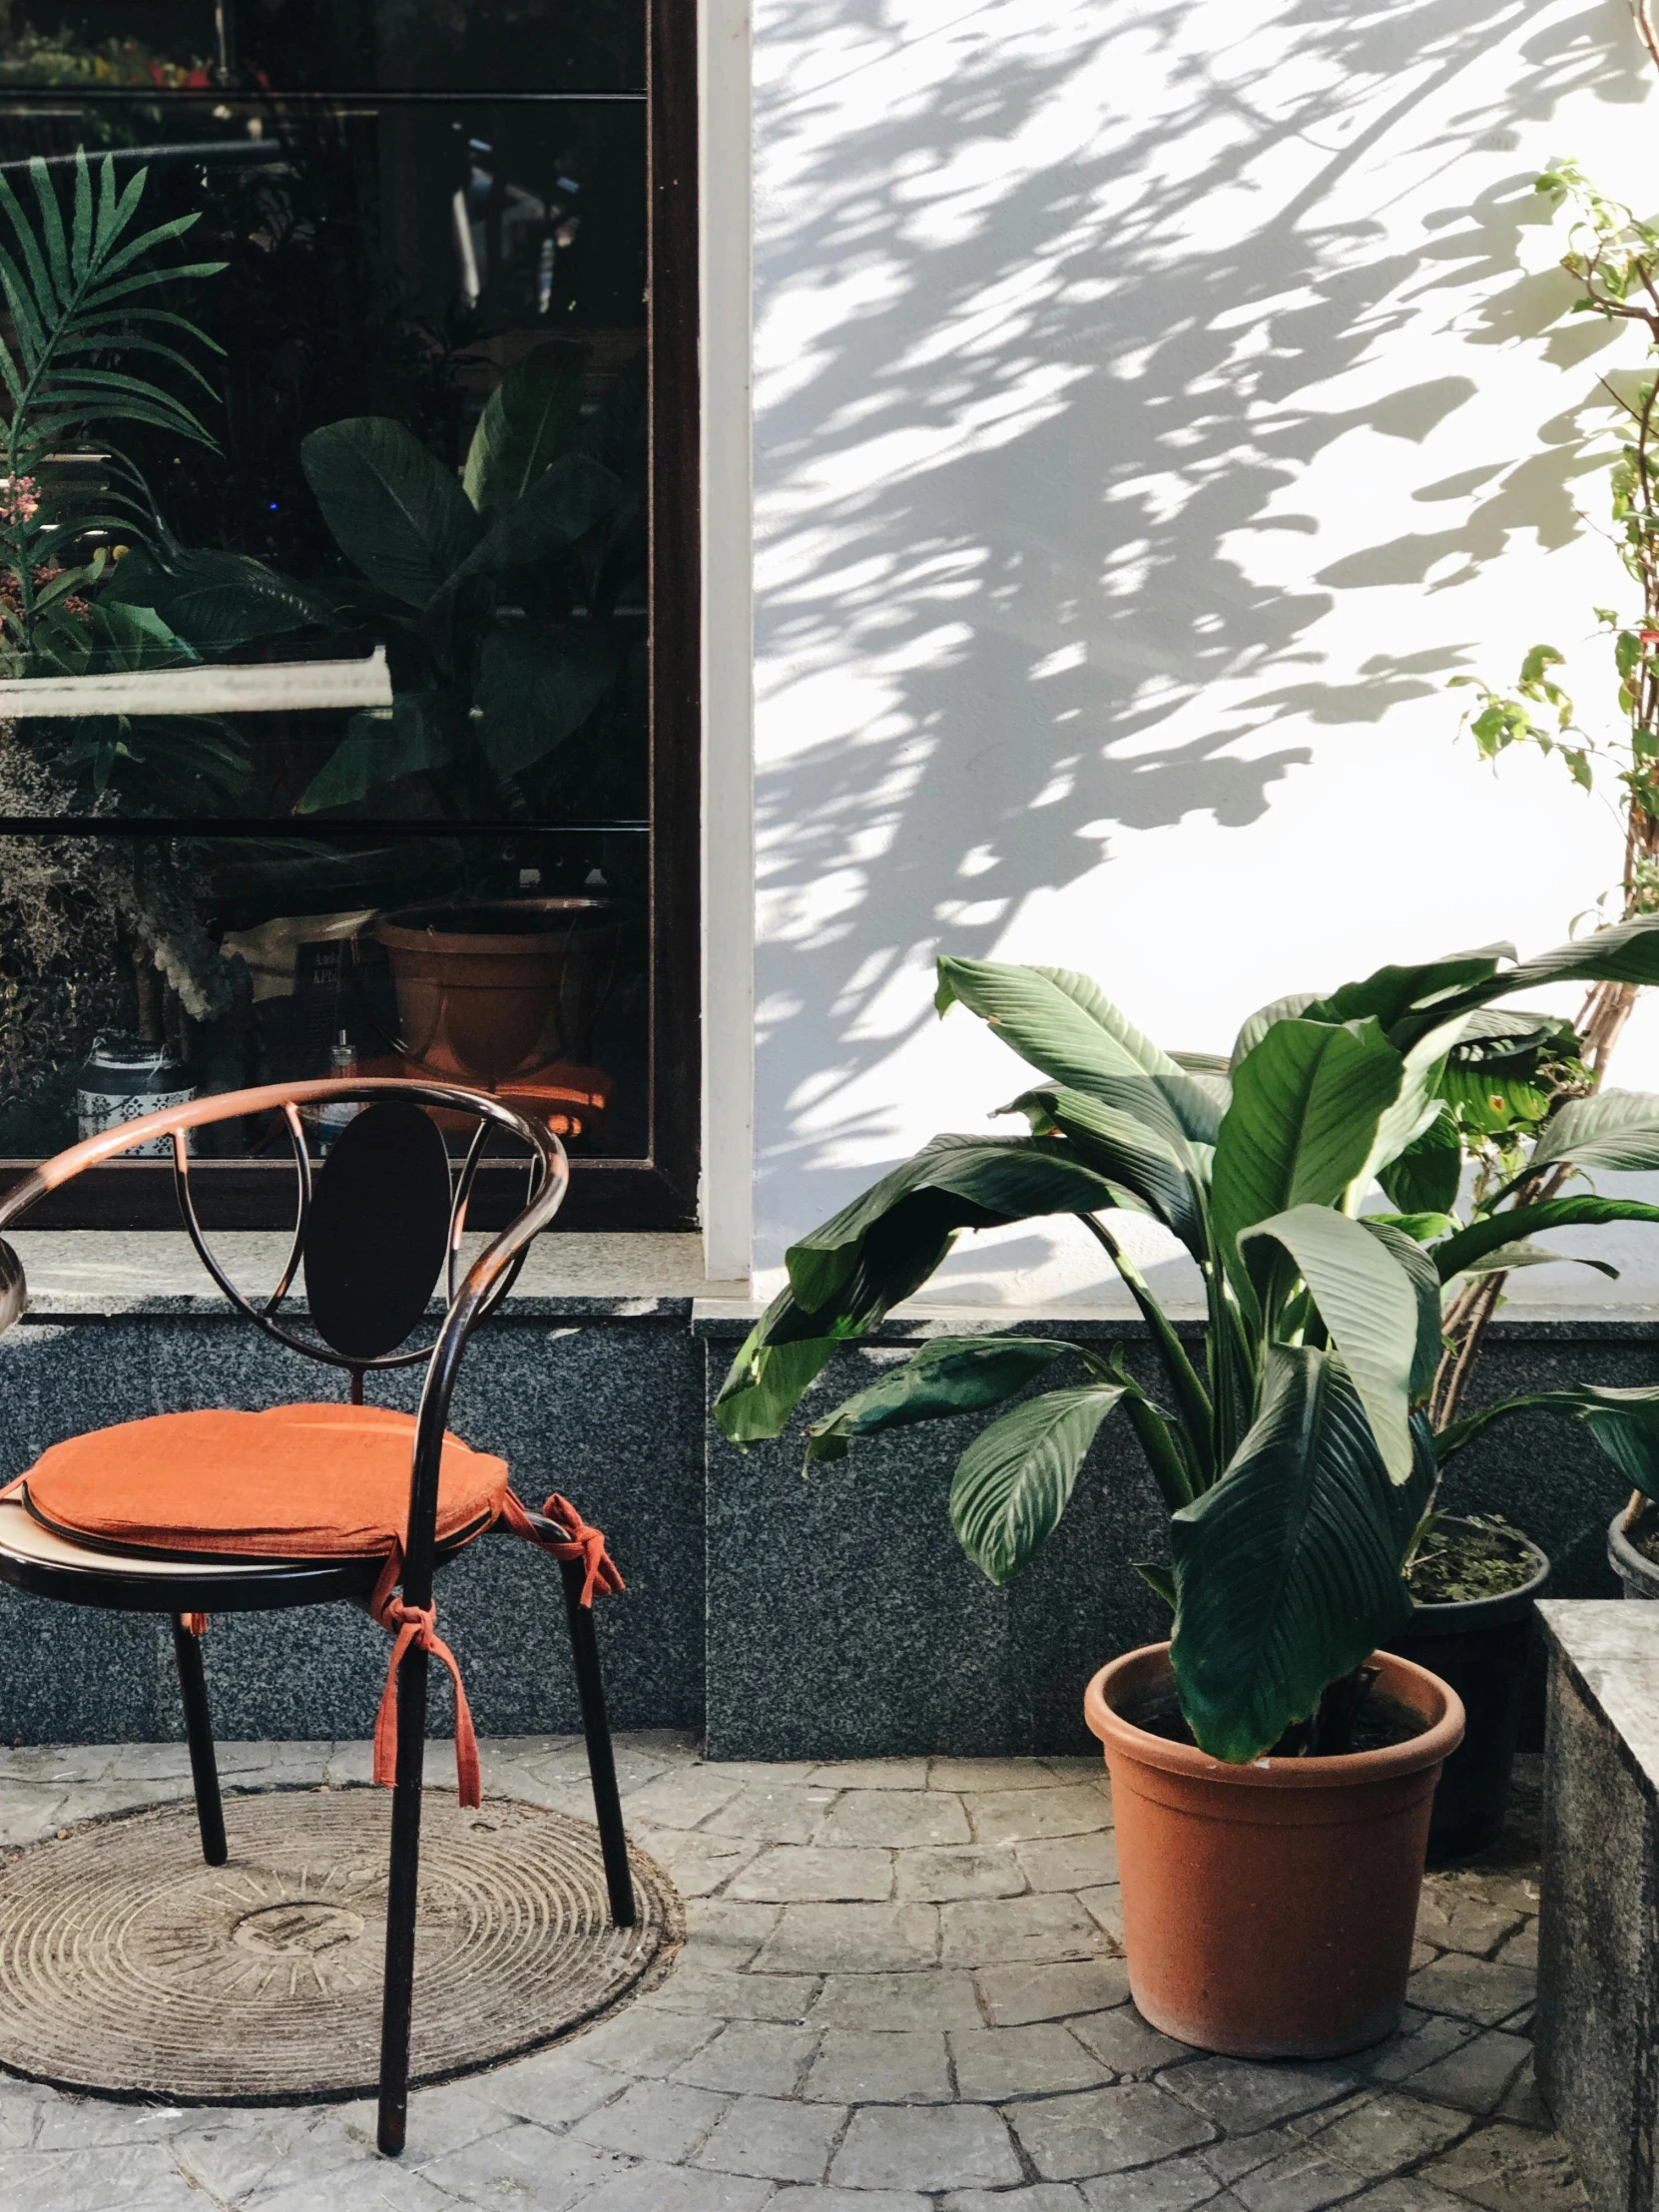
496	593
1273	1769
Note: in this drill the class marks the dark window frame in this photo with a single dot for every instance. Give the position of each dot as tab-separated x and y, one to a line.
661	1191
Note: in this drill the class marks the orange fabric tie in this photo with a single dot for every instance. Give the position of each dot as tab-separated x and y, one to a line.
582	1542
193	1624
417	1625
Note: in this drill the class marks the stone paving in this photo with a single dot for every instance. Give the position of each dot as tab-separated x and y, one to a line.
901	1992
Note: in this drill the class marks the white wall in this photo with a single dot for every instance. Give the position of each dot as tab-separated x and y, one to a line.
1151	415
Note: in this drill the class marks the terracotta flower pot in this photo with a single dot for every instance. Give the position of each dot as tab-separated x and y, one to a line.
492	991
1269	1909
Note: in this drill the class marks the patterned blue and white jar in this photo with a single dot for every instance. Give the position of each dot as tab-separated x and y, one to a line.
122	1080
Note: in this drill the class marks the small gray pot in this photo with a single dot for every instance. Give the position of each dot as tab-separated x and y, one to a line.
1639	1575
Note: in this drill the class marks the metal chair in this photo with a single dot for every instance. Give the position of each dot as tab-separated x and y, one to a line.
375	1228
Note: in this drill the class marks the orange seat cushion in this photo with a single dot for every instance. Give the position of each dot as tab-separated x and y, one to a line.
298	1481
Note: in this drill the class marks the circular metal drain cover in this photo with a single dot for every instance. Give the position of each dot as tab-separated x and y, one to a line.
129	1966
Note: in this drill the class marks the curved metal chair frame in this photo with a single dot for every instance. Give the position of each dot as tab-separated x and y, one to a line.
84	1576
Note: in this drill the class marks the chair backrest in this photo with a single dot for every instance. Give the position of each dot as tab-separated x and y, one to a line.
374	1231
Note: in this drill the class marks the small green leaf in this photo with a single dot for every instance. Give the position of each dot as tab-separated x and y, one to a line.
1472	1245
527	424
1016	1478
1306	1101
1424	1178
394	509
1368	1302
1159	1580
384	744
949	1376
1611	1129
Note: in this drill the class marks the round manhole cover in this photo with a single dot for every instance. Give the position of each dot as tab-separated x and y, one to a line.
129	1966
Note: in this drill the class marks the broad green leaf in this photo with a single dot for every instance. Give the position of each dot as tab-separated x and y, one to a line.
1420	1269
1415	1112
1152	1160
983	1180
855	1268
1390	993
394	509
1286	1572
1611	1129
1469	1245
1491	1100
134	638
527	424
1064	1024
1305	1105
382	745
1368	1306
560	507
1520	1254
1016	1478
215	600
1624	1422
766	1382
538	682
948	1375
1424	1178
1258	1024
1626	954
1422	1229
1499	1035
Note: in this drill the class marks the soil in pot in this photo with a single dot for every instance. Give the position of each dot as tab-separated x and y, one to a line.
1269	1908
1474	1583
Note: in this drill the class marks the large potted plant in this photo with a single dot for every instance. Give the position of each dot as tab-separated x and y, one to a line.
1273	1768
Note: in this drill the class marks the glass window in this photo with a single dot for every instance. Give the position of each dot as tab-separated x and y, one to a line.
330	727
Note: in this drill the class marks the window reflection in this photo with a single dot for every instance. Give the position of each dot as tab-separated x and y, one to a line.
324	45
132	969
411	285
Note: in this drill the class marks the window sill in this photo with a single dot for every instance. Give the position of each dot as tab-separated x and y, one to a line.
105	1273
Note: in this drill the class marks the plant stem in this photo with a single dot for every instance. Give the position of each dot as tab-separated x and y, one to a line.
1152	1433
1191	1397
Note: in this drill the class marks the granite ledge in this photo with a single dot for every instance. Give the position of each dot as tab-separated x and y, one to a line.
84	1274
1610	1649
720	1317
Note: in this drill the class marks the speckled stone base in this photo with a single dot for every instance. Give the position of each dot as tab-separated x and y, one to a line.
830	1617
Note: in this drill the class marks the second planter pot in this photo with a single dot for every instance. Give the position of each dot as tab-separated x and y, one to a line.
1634	1568
1482	1646
1269	1908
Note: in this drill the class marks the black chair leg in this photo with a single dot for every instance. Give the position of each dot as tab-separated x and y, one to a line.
401	1895
590	1692
203	1768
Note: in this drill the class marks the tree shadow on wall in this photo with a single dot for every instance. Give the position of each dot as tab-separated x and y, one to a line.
1030	357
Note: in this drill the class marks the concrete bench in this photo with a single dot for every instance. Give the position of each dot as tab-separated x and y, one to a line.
1598	1964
